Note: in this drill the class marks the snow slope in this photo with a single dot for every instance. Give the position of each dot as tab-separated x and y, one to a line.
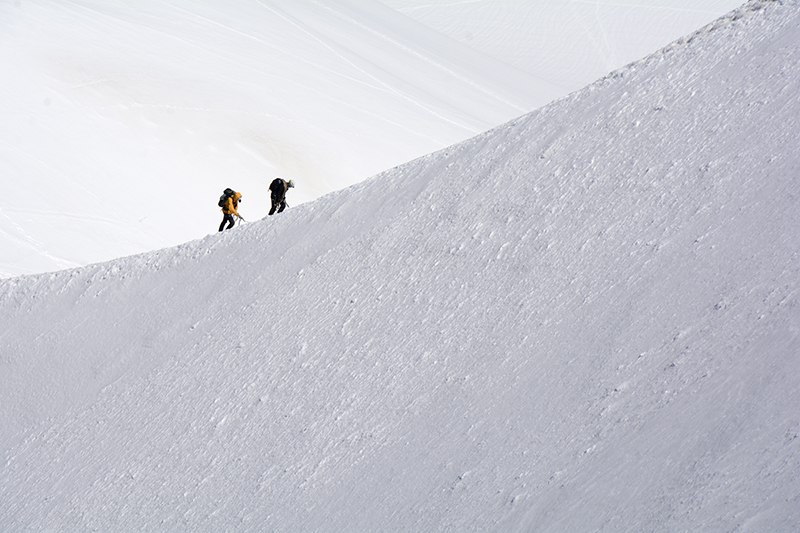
568	42
584	319
127	120
121	122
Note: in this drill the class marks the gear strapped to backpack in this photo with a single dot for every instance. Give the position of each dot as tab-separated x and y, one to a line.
224	198
279	187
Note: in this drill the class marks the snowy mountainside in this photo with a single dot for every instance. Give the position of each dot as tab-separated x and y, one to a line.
123	122
569	42
584	319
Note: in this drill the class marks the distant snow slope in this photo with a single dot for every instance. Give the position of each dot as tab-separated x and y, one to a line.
121	122
588	318
568	42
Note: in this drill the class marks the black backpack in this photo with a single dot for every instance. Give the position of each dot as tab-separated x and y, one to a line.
224	197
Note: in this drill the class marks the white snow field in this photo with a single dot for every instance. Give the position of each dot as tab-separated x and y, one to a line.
122	122
567	42
585	319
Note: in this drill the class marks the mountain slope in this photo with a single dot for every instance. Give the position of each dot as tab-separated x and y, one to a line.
123	122
586	318
571	42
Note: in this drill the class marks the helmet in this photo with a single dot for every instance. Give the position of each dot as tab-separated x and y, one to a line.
290	184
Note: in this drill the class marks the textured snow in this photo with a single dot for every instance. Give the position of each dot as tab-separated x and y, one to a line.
584	319
122	122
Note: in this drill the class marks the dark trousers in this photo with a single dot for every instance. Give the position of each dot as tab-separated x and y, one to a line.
228	217
278	204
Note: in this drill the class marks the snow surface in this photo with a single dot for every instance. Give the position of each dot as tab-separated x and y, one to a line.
584	319
122	122
567	42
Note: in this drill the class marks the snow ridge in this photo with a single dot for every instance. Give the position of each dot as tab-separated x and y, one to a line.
586	318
